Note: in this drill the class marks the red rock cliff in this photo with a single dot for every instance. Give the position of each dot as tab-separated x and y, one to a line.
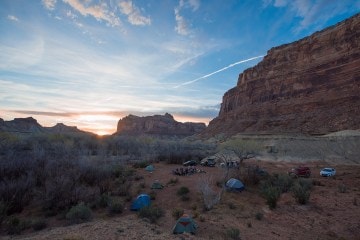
157	125
311	86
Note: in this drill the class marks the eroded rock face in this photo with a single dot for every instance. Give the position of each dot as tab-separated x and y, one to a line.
157	125
311	86
30	125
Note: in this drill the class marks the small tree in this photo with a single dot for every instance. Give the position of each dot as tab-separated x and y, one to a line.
210	197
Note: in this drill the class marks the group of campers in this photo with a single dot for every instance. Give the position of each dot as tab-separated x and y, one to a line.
187	171
184	224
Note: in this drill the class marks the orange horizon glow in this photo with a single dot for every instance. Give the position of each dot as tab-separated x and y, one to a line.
99	124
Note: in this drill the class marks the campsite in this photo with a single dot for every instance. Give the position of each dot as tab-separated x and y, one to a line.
332	211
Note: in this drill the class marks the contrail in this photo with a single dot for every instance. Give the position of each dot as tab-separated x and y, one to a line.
220	70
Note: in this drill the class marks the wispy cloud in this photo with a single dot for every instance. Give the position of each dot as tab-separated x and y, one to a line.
13	18
133	13
312	12
99	12
182	26
217	71
49	4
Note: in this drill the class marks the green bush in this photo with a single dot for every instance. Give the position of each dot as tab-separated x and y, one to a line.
301	193
79	213
103	201
14	225
183	191
38	224
259	216
271	195
173	181
283	181
115	207
142	164
152	195
177	213
151	213
232	233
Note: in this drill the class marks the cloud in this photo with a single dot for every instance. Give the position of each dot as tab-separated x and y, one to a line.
182	25
133	13
99	12
313	12
217	71
49	4
13	18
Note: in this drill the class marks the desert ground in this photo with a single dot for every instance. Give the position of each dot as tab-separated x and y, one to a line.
333	211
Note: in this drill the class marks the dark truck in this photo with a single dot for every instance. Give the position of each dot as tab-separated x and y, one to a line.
208	162
301	171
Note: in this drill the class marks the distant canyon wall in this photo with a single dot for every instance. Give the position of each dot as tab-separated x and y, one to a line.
311	86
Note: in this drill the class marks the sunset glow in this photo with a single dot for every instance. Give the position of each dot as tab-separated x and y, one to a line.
89	63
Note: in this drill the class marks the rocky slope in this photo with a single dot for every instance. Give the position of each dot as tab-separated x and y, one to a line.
157	125
311	86
30	125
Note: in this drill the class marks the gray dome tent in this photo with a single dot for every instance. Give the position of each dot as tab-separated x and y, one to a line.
234	185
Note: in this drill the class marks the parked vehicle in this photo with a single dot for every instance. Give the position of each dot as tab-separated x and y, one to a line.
327	172
190	163
209	162
301	171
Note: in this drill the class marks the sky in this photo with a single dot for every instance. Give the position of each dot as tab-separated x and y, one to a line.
89	63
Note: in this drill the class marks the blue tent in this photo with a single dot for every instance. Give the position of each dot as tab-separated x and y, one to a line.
143	200
150	168
234	185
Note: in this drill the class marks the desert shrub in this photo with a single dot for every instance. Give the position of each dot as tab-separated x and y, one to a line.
177	213
231	205
115	206
232	233
152	195
79	213
183	191
3	210
185	198
103	201
271	194
301	191
342	188
173	181
38	224
151	213
259	216
141	164
14	225
283	181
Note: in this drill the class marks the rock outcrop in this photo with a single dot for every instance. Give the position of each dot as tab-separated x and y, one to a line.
157	125
311	86
30	125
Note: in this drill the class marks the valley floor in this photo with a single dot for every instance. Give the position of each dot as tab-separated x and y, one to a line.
333	211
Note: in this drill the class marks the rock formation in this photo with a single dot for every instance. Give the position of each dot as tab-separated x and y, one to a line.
157	125
311	86
30	125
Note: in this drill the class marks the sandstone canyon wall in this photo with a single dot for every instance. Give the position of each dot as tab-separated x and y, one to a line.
311	86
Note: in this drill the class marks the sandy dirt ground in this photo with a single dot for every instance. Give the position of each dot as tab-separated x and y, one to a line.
333	211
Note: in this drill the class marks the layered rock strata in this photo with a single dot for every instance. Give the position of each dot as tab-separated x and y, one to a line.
311	86
157	125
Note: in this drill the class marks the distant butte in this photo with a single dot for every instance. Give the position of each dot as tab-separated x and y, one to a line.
160	125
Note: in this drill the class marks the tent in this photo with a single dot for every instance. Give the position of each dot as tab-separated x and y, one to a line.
234	185
185	224
150	168
143	200
157	185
